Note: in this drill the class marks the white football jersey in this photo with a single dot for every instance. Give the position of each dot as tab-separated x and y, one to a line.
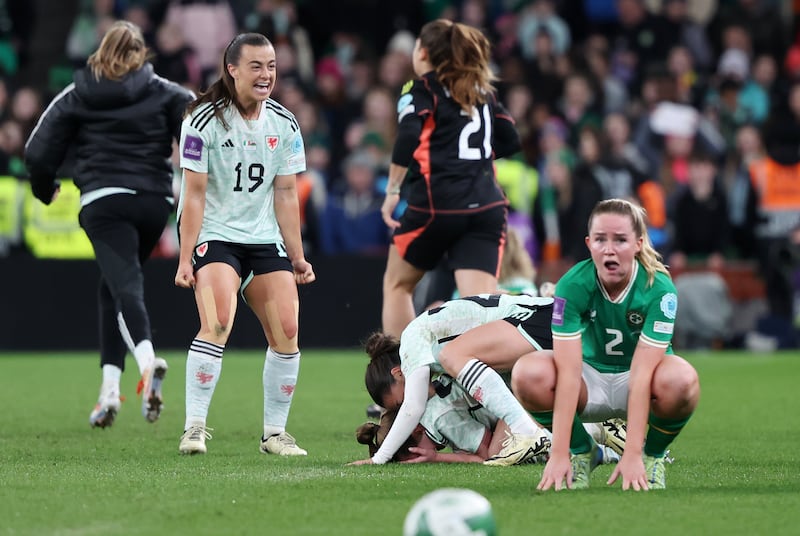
241	163
456	419
423	339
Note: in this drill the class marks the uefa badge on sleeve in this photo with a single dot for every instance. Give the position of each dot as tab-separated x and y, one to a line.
669	305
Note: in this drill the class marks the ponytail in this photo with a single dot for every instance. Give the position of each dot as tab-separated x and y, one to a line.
384	353
460	54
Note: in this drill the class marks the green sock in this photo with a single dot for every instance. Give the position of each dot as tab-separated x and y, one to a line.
545	418
580	443
661	433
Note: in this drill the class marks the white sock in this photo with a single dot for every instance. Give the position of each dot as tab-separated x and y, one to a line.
203	367
280	378
595	430
487	387
144	355
111	374
111	377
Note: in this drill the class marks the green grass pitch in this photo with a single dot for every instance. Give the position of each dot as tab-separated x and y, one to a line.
737	468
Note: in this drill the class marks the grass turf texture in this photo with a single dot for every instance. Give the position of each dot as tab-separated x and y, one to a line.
736	468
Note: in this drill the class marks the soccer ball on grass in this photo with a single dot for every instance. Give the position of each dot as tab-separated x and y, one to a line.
450	512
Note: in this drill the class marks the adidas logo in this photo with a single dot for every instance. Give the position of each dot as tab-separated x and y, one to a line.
228	144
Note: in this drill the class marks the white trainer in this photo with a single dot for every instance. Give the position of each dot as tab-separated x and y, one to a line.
614	434
150	389
282	444
107	407
519	449
193	440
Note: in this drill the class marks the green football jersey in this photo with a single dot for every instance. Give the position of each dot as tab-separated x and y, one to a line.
242	162
610	329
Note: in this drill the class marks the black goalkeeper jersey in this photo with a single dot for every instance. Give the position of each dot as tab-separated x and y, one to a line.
449	153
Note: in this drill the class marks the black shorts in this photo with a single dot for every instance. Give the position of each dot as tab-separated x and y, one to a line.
536	327
471	240
246	259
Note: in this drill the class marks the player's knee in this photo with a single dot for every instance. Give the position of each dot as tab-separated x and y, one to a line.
395	280
221	323
284	337
679	386
533	380
289	330
688	386
394	285
452	362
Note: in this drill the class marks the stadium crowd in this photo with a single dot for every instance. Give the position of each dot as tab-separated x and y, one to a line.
692	109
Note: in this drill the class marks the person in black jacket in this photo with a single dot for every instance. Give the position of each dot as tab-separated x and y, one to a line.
450	129
120	119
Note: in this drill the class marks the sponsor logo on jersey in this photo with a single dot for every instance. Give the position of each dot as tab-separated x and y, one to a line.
272	142
635	318
663	327
249	145
228	144
201	249
192	148
295	161
558	311
407	87
669	305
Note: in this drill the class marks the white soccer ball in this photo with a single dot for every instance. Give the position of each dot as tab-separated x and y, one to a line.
450	512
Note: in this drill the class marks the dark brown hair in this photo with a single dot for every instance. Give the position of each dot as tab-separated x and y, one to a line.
384	353
373	434
222	93
460	56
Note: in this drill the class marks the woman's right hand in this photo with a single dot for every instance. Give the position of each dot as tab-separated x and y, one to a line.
557	472
184	277
423	455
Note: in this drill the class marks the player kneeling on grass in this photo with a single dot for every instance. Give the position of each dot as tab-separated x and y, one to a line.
612	329
467	339
454	419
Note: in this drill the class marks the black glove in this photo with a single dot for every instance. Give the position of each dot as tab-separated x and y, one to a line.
43	189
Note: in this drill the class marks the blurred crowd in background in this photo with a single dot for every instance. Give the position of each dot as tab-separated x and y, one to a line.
690	108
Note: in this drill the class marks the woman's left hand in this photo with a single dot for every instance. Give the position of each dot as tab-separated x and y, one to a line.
368	461
631	469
